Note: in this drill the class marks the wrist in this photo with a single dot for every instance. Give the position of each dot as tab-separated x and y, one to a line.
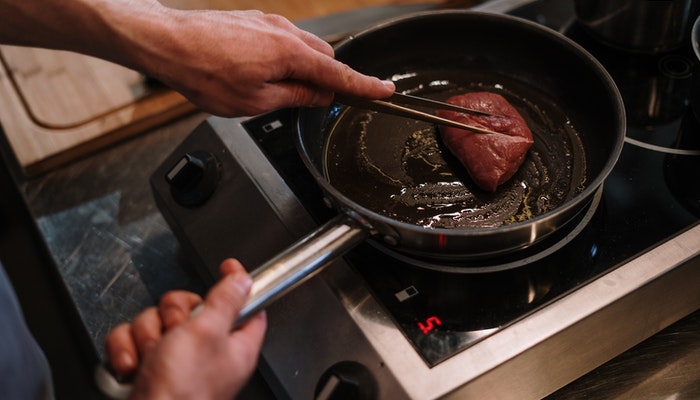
132	33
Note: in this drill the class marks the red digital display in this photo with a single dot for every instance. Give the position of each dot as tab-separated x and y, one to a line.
429	325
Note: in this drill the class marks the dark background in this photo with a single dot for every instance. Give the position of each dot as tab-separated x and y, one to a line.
43	298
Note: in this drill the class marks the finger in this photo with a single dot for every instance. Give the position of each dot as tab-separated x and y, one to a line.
321	69
308	38
252	330
287	94
344	79
226	299
335	76
121	350
255	325
294	94
246	341
316	43
231	266
175	307
147	329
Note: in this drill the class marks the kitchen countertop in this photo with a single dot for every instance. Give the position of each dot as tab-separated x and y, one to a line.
116	255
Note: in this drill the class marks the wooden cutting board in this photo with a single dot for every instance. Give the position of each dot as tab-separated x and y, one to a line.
56	106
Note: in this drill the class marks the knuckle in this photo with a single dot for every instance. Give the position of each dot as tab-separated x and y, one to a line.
170	298
205	328
277	19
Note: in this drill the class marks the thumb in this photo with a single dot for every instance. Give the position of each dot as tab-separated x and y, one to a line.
226	299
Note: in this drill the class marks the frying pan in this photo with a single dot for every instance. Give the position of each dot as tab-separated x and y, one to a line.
372	167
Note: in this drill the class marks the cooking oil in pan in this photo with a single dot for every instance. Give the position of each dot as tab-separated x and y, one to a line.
398	167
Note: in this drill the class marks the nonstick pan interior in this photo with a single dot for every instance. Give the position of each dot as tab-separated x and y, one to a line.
399	168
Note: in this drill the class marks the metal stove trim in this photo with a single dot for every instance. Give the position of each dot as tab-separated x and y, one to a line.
540	353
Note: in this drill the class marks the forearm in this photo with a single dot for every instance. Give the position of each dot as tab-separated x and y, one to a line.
99	28
229	63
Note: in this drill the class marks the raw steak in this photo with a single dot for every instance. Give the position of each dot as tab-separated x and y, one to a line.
490	159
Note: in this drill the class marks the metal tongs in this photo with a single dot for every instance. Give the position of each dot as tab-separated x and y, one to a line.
397	103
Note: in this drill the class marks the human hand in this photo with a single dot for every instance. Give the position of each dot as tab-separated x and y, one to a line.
234	63
228	63
176	355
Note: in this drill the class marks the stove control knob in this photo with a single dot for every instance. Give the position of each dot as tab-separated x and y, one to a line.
194	178
346	380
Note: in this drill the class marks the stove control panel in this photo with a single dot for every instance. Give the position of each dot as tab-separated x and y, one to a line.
346	380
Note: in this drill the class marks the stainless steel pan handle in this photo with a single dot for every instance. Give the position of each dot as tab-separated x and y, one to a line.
273	279
300	262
